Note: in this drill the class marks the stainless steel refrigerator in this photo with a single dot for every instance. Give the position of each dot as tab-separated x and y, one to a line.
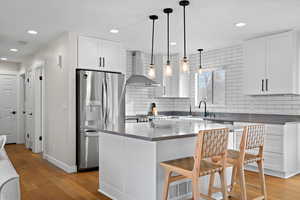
100	100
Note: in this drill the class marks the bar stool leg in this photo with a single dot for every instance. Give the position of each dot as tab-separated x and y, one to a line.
224	184
195	186
166	184
233	178
242	182
211	184
262	178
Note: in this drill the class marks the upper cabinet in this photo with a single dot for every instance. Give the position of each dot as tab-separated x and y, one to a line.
271	65
100	54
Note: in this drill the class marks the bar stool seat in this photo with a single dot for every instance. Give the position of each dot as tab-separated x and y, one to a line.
209	143
187	164
249	158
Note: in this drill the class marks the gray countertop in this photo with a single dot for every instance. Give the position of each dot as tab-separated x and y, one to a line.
240	117
167	129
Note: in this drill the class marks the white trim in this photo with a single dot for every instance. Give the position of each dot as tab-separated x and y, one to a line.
109	196
283	175
67	168
20	108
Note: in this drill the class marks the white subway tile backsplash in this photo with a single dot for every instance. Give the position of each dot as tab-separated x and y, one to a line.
231	59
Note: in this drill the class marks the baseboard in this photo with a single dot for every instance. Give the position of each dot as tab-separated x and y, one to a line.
67	168
109	196
283	175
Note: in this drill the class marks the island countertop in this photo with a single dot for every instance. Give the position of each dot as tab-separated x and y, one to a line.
167	129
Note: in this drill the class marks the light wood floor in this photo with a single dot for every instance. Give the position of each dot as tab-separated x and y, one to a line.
43	181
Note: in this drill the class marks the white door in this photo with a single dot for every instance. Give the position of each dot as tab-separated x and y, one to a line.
8	107
29	110
111	53
88	53
22	114
280	64
38	111
255	66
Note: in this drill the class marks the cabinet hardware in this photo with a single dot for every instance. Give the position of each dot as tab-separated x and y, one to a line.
100	62
262	85
267	84
103	61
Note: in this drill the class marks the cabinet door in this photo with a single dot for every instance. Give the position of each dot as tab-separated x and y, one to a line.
255	66
280	66
88	53
111	52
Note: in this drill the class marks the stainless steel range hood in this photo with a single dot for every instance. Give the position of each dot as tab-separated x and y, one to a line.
138	78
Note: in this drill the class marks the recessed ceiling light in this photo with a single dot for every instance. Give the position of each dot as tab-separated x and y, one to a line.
14	50
240	24
32	32
172	43
3	59
114	31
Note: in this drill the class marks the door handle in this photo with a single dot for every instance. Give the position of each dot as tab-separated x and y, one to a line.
262	85
267	84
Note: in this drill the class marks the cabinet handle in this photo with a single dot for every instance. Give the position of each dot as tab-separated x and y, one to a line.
262	85
267	84
103	61
100	62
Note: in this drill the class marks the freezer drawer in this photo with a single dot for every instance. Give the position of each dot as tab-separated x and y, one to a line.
88	150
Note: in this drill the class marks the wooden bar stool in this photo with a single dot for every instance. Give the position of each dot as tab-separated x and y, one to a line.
252	138
210	143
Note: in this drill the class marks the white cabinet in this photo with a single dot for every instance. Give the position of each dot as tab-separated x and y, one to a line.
271	65
100	54
255	66
88	53
281	155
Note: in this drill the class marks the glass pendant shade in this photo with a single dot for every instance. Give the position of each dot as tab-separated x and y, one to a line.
151	72
200	70
185	65
168	69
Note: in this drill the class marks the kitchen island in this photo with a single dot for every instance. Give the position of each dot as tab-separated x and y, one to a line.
129	160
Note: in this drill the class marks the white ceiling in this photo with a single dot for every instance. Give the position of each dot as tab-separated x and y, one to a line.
210	23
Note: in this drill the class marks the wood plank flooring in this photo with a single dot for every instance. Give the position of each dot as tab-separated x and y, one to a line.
40	180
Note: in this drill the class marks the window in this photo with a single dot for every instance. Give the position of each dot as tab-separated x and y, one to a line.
210	85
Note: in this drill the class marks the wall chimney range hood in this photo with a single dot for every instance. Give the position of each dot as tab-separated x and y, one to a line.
138	78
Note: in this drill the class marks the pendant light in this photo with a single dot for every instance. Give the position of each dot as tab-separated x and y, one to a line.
200	69
151	71
184	61
168	68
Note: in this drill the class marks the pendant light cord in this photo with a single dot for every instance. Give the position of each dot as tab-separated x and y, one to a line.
152	43
200	60
168	36
184	32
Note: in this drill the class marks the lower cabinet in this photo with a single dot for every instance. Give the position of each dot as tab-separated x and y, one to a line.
281	149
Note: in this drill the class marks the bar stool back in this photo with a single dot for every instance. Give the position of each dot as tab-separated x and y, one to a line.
252	138
209	143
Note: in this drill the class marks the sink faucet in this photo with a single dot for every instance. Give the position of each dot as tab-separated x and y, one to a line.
205	110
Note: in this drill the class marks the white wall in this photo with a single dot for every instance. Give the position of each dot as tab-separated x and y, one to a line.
59	100
9	67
